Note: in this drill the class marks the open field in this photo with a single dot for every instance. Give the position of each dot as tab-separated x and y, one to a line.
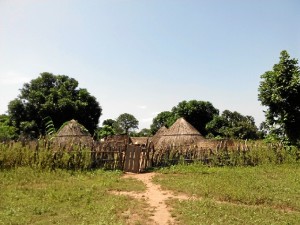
40	186
268	194
63	197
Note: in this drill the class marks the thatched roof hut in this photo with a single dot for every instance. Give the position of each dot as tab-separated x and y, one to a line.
161	131
180	134
158	134
73	132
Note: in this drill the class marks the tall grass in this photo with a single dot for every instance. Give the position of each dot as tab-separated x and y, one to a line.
40	156
252	153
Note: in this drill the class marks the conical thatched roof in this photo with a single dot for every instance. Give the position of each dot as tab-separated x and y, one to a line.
161	131
158	134
73	132
181	133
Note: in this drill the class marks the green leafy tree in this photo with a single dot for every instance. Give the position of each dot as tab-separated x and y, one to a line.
105	131
29	129
108	122
233	125
217	126
145	132
165	118
125	123
142	133
197	113
263	130
7	132
279	91
56	96
17	113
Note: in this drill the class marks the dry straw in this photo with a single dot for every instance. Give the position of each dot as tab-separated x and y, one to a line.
181	133
141	141
158	135
73	132
116	140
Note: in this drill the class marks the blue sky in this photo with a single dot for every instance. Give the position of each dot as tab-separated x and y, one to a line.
145	56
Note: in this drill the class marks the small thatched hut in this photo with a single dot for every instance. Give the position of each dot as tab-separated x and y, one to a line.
73	132
180	134
158	134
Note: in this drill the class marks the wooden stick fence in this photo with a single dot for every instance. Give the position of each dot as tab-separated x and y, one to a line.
132	158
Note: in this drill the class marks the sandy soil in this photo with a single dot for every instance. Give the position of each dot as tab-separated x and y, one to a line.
155	197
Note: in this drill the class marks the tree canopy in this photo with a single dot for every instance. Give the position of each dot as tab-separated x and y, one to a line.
279	91
108	122
55	96
233	125
7	132
165	118
197	113
145	132
105	131
125	122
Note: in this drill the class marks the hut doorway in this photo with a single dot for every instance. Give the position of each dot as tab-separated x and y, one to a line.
137	158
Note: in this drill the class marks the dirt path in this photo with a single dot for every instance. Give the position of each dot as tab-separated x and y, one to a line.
155	197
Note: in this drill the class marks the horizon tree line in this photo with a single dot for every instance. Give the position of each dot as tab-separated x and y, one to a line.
60	98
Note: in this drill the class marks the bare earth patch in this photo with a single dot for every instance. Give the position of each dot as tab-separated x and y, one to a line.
155	197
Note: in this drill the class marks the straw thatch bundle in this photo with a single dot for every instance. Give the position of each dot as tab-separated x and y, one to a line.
117	140
158	134
73	132
213	144
180	134
141	141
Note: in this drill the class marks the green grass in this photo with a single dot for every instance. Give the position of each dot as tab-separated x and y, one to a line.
242	192
63	197
35	190
209	212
